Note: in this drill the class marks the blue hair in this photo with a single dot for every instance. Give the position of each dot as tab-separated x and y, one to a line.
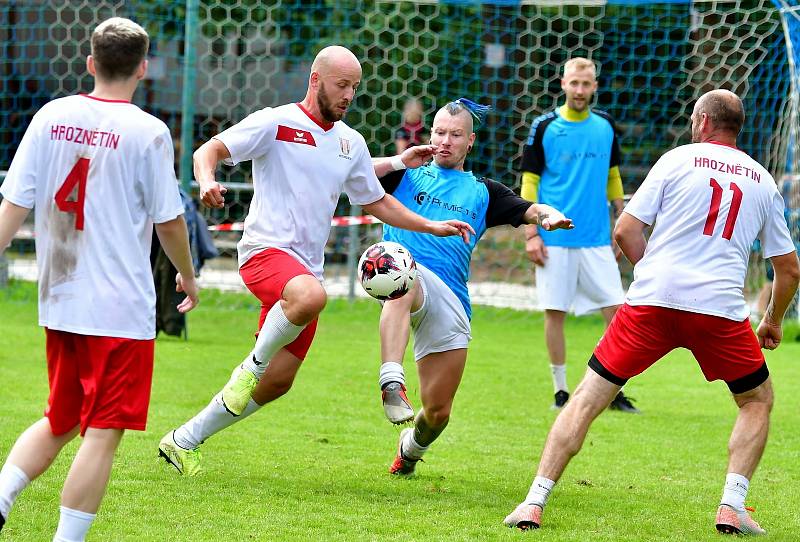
477	110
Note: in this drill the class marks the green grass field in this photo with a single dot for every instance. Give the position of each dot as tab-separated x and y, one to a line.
312	466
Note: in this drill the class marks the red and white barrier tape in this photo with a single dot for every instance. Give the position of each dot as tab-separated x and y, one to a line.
336	221
28	233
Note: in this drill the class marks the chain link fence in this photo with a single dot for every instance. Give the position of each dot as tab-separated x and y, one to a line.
212	62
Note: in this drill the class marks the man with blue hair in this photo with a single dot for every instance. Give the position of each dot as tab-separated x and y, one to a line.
438	307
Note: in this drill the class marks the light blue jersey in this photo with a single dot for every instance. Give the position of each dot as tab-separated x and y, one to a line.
444	194
572	160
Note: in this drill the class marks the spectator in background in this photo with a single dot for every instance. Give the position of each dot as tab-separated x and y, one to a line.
413	131
571	161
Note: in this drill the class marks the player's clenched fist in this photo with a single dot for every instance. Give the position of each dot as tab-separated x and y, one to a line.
212	194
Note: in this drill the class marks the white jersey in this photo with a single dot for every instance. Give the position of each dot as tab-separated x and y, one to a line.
98	173
709	202
300	168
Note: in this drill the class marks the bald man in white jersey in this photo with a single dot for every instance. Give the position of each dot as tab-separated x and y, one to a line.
709	202
99	172
303	157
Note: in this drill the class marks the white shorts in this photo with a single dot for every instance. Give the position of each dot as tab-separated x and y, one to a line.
441	323
582	280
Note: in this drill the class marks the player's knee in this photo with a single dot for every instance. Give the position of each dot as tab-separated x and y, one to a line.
314	301
305	299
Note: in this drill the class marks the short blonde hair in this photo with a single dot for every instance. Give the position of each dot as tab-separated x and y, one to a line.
118	47
579	63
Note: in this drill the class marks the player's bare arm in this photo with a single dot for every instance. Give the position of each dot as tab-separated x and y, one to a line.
410	158
392	212
629	235
787	276
618	205
534	245
206	158
174	238
11	218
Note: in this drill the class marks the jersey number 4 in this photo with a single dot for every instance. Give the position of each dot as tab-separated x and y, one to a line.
713	211
77	176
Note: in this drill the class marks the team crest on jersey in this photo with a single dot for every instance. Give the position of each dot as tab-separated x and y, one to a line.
344	145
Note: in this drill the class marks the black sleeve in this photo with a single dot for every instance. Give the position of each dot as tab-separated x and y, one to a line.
533	159
616	157
402	133
505	207
391	180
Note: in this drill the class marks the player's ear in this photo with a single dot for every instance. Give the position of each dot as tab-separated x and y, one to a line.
90	66
142	70
313	80
471	142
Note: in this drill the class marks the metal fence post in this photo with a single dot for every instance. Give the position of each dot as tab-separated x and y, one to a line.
188	96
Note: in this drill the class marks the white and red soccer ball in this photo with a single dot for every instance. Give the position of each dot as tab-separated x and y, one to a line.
387	270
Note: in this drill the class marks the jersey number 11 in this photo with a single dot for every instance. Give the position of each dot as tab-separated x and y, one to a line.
713	211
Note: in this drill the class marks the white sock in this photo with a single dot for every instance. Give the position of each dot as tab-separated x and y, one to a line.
735	491
73	525
276	333
391	371
559	377
410	449
209	421
539	491
12	481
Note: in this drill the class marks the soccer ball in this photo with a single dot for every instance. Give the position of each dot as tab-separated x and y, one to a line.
387	270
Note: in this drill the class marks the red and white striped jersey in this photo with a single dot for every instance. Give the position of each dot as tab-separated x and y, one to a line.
709	203
99	173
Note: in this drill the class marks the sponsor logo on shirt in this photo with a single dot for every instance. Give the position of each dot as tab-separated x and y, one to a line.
422	197
585	155
344	145
295	135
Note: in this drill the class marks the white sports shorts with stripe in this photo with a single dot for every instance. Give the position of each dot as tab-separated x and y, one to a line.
441	323
581	280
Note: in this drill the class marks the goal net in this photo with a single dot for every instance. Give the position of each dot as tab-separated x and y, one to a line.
655	58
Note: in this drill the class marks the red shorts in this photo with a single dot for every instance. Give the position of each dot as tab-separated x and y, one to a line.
640	335
266	275
99	382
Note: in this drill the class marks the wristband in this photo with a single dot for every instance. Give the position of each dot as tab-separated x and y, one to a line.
397	163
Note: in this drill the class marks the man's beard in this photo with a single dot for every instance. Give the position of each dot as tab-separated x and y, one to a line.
325	107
